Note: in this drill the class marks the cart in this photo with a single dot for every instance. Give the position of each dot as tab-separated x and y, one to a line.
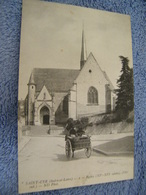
76	139
77	143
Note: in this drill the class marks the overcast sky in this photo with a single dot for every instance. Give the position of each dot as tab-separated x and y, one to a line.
51	38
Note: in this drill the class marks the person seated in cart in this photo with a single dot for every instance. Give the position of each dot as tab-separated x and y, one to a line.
70	130
74	128
79	127
76	139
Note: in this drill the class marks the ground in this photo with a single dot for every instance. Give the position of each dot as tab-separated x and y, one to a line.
43	164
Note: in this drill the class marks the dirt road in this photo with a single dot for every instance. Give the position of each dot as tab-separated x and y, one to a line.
43	166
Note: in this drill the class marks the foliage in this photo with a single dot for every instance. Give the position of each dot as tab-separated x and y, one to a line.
125	97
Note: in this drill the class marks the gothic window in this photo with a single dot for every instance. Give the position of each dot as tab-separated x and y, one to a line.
92	95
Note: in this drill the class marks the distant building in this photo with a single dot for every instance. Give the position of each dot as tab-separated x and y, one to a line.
21	108
57	94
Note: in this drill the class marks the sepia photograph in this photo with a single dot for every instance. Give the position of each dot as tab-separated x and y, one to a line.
75	97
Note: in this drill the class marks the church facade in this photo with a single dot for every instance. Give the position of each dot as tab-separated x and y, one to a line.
57	94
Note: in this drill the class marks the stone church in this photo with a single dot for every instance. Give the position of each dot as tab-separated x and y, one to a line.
57	94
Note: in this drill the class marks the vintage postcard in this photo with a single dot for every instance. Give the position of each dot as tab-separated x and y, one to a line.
76	105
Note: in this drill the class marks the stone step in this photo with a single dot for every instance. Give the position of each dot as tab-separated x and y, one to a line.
36	130
56	127
44	127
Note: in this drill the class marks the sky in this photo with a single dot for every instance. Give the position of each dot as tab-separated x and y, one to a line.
51	37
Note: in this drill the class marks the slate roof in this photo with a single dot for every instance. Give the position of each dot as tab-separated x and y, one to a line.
55	80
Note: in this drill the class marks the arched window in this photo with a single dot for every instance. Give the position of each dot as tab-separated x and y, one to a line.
92	95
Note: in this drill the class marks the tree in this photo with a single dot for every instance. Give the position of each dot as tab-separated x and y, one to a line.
125	97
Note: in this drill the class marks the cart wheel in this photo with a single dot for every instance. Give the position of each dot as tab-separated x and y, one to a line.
88	152
68	149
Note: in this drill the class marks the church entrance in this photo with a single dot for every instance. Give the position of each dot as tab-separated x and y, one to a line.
45	116
45	119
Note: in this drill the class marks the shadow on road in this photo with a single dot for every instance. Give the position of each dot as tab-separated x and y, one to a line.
63	158
77	156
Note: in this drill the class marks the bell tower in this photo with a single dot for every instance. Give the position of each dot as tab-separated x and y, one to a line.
31	99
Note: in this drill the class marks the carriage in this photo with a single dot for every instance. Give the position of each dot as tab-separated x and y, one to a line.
76	139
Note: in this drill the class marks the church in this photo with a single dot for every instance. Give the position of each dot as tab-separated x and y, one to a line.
54	95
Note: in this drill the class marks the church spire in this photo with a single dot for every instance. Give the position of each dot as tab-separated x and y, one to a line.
31	79
83	51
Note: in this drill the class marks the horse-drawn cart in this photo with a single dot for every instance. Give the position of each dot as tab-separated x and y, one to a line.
76	140
77	143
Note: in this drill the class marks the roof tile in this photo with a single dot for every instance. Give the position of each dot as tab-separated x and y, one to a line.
55	80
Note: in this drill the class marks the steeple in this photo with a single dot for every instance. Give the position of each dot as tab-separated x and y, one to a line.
31	99
31	80
83	51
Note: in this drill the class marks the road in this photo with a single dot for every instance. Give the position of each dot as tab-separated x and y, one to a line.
43	165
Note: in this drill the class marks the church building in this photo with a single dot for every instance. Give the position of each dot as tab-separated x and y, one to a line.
54	95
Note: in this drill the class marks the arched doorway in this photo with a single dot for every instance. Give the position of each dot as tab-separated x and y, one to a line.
45	116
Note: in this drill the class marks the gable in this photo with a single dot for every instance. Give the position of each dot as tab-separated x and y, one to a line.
44	94
91	72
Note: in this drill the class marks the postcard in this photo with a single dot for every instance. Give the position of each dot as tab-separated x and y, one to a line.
75	99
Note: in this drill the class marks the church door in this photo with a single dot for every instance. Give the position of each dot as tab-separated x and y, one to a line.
46	119
45	116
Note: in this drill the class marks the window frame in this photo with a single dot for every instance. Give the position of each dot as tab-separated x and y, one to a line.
92	96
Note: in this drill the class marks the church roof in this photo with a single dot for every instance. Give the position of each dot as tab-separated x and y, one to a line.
55	80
